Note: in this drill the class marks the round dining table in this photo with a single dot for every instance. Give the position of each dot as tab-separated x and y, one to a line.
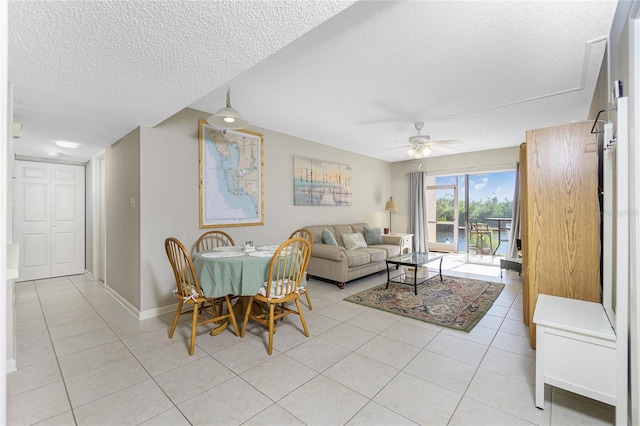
231	270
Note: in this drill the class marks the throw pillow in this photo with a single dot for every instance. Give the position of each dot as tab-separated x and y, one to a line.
328	238
353	241
373	236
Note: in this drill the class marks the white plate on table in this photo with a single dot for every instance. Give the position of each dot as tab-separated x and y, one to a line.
268	248
222	254
228	248
261	253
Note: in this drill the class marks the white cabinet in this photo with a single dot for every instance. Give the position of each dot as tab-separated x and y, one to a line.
576	348
404	241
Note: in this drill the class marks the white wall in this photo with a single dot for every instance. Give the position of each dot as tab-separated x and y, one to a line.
4	179
622	56
475	162
123	223
168	201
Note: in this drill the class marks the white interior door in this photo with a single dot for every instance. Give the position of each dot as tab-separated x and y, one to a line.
49	219
32	221
67	219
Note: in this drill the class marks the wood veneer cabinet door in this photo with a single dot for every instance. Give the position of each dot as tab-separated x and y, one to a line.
562	226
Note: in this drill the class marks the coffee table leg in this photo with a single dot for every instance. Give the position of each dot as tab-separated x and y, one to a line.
388	276
441	269
415	281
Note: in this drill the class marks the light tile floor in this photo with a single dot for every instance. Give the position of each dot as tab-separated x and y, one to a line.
83	359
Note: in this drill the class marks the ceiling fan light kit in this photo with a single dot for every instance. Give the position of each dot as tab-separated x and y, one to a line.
420	145
419	151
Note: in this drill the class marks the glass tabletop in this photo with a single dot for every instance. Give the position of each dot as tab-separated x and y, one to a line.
418	258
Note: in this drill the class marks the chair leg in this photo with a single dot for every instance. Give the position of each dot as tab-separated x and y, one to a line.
272	307
194	321
246	316
306	293
301	315
175	319
232	315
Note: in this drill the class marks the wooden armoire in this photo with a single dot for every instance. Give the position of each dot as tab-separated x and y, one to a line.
560	216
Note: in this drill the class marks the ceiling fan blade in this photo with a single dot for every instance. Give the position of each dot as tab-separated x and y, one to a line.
445	142
438	147
393	147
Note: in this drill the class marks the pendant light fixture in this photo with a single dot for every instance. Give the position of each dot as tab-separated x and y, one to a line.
227	117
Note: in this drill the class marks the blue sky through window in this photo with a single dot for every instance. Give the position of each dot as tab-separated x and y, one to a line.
484	186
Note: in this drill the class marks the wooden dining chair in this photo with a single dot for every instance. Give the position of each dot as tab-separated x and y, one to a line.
188	292
286	271
212	239
306	234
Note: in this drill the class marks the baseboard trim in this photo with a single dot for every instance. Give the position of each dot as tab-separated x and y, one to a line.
88	274
140	315
124	302
156	312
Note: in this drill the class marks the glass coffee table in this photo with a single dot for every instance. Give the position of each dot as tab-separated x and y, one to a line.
414	260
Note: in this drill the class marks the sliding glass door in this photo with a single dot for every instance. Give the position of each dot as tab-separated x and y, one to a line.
470	214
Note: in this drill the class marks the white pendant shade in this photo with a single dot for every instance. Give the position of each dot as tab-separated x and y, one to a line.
227	117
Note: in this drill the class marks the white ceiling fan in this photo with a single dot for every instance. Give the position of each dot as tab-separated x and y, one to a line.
420	145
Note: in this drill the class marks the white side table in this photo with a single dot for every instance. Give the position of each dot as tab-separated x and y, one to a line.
404	241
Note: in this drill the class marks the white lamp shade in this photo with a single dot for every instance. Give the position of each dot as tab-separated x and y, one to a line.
228	118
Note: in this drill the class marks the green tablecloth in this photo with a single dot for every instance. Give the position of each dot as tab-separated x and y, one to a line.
242	275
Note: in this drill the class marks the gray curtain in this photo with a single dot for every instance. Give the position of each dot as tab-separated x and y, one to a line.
512	251
418	211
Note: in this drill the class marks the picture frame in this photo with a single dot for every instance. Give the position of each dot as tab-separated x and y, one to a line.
321	183
231	177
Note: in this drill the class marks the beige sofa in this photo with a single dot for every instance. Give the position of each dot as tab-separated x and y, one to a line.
336	263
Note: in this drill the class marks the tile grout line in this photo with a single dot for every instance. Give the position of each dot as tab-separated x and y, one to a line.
64	382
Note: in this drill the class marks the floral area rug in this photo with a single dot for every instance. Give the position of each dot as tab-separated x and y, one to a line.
458	303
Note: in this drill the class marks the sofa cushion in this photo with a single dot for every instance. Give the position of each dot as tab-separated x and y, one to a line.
328	238
357	258
353	241
373	236
375	254
358	227
316	231
338	230
392	250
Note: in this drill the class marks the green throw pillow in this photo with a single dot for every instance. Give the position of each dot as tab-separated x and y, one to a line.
353	241
328	238
373	236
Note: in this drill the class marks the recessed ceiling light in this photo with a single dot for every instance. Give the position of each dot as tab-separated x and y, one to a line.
54	154
65	144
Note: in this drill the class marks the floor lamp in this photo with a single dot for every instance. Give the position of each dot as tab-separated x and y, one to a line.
391	206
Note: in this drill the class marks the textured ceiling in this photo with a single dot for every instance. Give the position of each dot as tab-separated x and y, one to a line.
352	77
92	71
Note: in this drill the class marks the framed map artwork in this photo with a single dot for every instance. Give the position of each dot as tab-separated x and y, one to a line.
231	177
321	183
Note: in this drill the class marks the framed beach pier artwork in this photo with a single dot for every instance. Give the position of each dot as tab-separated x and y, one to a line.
321	183
231	177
